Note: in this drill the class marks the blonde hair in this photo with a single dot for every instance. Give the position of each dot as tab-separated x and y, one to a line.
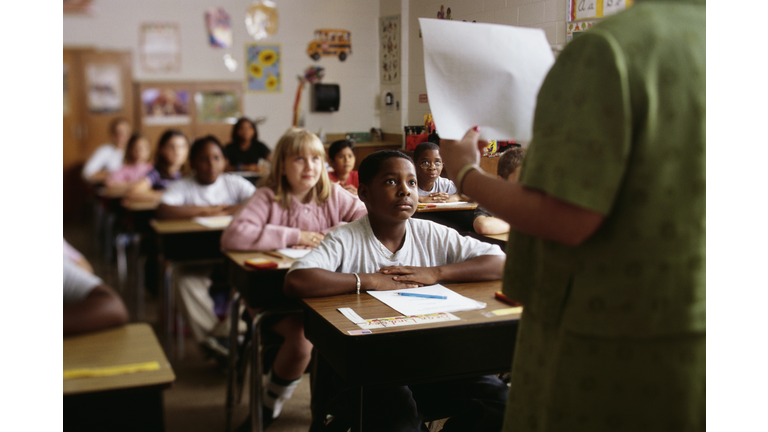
294	142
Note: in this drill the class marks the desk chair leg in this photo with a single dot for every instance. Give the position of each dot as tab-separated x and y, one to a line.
232	377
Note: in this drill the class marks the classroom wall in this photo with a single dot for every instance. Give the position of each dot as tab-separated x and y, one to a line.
548	15
114	25
393	118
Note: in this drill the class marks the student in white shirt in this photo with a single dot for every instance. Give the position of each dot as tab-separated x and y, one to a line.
89	304
386	250
108	158
207	192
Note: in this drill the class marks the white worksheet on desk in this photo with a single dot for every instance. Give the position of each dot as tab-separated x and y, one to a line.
485	75
214	221
410	306
294	253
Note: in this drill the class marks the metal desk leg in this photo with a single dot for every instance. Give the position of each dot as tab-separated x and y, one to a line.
121	242
168	308
138	285
256	374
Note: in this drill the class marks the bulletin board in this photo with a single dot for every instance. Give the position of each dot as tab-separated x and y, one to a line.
579	10
583	14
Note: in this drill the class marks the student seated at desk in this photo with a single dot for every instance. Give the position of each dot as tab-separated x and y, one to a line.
389	250
295	207
508	169
136	165
108	158
246	152
429	165
208	192
171	153
341	158
89	304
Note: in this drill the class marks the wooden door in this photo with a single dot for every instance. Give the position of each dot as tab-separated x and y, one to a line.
73	189
88	76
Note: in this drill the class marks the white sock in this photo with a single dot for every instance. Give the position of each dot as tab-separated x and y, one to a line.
277	392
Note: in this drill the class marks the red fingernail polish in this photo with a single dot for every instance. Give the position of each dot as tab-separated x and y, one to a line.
476	128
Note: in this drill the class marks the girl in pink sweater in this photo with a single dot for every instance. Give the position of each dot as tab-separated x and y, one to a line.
295	206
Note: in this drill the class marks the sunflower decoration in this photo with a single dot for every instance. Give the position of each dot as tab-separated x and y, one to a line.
267	57
271	82
256	70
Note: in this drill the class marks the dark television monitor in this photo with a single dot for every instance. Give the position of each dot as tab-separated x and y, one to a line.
325	97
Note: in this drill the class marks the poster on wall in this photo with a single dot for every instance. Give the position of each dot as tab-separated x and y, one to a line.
262	68
389	50
590	9
217	106
105	92
219	28
165	106
330	43
160	47
574	29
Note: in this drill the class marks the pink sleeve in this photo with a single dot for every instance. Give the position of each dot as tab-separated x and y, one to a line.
251	229
348	207
119	176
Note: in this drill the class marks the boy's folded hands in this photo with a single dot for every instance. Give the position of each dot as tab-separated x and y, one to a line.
418	276
384	282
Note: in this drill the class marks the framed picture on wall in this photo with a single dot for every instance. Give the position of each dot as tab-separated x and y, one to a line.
165	106
104	87
263	64
217	106
160	47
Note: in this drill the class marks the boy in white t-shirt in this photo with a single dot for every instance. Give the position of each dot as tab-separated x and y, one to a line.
386	250
208	192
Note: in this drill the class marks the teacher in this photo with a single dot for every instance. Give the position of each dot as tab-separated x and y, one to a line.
607	251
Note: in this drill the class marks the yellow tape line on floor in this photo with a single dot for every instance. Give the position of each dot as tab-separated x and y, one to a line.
110	370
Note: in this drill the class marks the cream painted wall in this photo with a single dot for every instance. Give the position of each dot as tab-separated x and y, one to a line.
548	15
114	24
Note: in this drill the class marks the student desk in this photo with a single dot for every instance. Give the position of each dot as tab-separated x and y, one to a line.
126	402
257	287
459	217
474	345
181	242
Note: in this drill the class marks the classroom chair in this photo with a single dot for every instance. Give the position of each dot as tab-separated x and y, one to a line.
257	348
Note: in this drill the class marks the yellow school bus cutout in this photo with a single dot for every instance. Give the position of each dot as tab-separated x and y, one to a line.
330	43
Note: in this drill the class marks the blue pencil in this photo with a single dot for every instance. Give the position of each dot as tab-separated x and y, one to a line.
422	295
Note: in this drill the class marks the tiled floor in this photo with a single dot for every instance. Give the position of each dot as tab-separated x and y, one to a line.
196	400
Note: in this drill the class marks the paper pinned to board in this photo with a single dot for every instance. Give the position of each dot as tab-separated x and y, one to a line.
410	306
485	75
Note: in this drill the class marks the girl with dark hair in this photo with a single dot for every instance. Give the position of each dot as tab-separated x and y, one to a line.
171	153
245	152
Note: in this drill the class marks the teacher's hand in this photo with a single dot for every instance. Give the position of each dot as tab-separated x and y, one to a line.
457	154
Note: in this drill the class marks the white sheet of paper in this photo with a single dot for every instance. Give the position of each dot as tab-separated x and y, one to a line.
485	75
444	205
214	221
294	253
410	306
